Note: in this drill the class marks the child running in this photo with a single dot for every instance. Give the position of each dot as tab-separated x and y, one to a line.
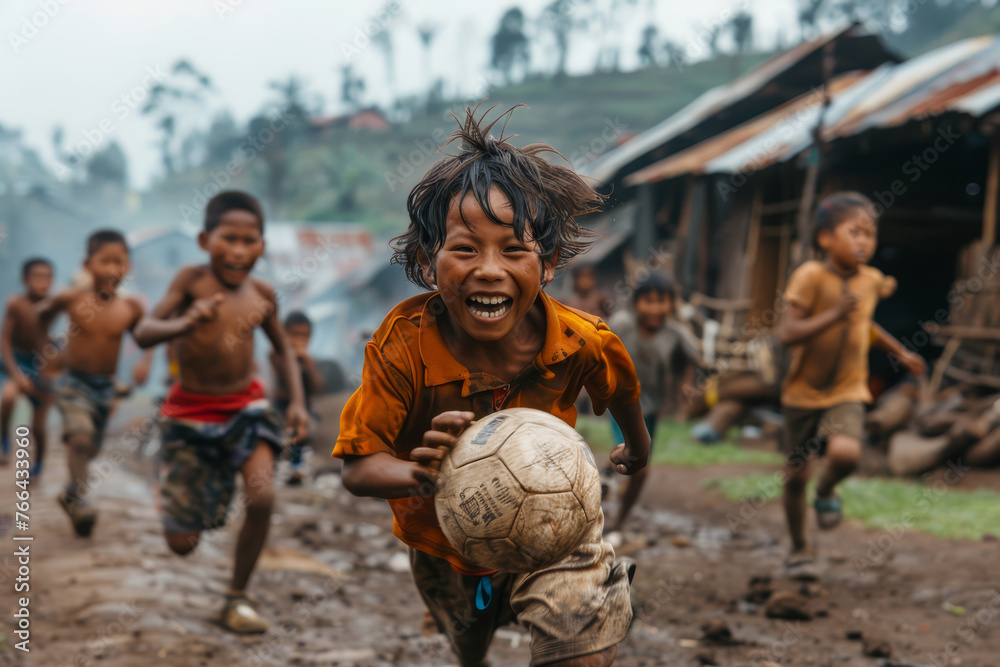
657	349
828	323
216	421
85	392
22	340
298	329
488	228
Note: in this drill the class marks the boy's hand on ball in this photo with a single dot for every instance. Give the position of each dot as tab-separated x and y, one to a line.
445	429
624	462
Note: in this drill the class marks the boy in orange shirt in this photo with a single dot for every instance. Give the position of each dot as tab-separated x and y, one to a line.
488	228
829	324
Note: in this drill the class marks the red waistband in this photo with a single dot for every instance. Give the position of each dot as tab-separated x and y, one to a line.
181	404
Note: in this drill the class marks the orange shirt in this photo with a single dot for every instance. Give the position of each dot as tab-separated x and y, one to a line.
832	366
410	377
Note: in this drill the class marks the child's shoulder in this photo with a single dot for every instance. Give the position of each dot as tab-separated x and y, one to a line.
584	322
810	269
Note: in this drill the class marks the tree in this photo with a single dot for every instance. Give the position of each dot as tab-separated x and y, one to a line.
180	97
809	11
509	45
108	166
558	18
427	32
742	26
647	49
222	139
351	87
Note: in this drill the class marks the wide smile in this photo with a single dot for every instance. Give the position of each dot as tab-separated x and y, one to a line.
489	308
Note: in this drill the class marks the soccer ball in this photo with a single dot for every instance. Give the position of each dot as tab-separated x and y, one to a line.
519	491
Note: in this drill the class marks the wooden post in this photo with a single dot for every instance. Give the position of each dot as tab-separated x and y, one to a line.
990	200
753	239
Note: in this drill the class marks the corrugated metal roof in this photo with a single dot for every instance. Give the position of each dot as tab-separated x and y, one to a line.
963	77
707	105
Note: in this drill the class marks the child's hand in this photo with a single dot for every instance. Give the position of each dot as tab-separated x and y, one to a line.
914	363
25	384
626	463
297	421
848	304
204	310
445	429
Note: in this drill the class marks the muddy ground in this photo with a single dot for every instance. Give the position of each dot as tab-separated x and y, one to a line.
336	585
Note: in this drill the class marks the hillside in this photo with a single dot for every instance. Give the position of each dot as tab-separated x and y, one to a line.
365	175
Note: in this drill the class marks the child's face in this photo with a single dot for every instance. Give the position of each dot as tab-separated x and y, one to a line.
852	242
652	310
233	246
108	265
488	279
298	338
38	281
585	281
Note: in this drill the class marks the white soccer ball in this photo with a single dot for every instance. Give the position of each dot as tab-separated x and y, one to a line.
519	491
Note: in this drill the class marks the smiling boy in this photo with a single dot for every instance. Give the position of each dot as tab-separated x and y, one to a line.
488	228
216	421
85	393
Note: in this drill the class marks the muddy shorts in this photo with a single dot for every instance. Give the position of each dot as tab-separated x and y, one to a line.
200	462
85	401
808	431
573	608
30	364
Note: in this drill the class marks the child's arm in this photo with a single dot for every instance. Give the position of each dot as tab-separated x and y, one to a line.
888	343
313	375
48	309
157	328
296	417
797	328
382	475
7	349
280	391
632	455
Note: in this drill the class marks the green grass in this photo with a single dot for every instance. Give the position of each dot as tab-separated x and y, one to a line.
674	447
892	503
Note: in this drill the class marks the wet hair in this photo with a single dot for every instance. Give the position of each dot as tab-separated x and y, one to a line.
31	263
231	200
103	237
543	197
837	208
654	282
297	317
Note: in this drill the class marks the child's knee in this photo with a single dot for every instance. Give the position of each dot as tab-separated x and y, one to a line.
183	543
844	451
80	443
260	507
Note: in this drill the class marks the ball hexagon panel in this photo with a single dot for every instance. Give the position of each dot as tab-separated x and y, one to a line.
541	459
549	525
482	497
483	438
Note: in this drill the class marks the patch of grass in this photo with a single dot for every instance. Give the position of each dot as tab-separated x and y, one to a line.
891	503
673	445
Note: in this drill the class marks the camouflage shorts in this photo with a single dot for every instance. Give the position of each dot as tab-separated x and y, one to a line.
573	608
200	462
85	401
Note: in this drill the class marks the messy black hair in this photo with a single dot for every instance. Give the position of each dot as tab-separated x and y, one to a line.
103	237
544	197
297	317
837	208
31	263
654	282
229	200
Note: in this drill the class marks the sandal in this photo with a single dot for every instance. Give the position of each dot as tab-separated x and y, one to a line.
829	511
240	616
801	567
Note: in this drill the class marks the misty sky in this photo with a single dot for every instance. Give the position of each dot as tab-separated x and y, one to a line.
72	65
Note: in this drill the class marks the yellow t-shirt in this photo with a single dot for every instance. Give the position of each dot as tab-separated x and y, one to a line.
832	366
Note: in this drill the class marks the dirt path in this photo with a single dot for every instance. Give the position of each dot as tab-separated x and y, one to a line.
336	585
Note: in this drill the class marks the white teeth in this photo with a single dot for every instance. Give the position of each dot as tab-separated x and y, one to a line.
488	300
487	315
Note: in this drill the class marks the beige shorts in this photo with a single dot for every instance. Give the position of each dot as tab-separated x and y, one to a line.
807	432
573	608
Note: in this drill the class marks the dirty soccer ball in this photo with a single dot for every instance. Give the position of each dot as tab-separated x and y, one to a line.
519	491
